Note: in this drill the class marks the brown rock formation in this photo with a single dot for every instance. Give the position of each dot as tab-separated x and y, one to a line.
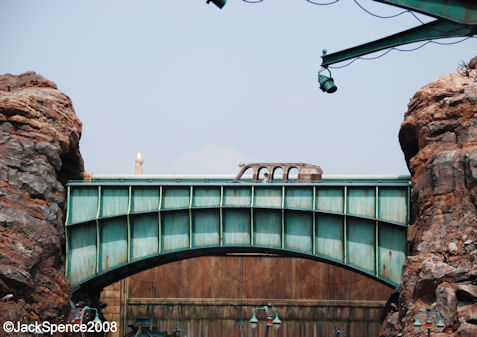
39	135
439	140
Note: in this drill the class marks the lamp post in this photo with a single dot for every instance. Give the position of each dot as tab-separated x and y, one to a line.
276	322
78	319
440	324
338	332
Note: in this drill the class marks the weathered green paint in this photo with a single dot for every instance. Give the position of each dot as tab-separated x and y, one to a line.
361	242
393	205
299	198
206	197
268	196
114	201
361	201
459	11
116	226
82	254
175	230
113	243
144	233
145	199
392	250
205	230
330	199
330	236
237	227
267	228
175	197
299	231
237	196
86	204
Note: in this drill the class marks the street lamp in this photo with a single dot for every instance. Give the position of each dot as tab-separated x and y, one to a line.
78	319
80	315
440	324
338	332
275	322
327	84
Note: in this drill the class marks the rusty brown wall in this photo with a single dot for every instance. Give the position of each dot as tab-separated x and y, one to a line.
215	296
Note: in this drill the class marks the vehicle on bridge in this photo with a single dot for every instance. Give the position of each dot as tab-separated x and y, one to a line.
306	172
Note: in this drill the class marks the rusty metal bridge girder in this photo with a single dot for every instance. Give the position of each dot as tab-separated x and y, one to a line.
117	227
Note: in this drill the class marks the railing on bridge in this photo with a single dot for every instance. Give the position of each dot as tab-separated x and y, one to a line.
117	226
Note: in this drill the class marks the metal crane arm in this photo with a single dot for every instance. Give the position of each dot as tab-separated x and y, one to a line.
458	11
455	18
434	30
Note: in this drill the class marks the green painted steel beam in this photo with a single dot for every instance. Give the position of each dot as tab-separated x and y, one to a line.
115	230
458	11
334	180
433	30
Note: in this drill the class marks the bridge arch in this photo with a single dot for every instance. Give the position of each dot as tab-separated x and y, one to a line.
111	276
261	172
280	175
292	171
118	227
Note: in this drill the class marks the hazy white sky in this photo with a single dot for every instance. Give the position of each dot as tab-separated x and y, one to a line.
199	90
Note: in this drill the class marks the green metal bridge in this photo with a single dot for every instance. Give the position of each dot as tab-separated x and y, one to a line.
118	226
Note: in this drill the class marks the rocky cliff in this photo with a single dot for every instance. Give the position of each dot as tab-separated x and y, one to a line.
439	141
39	152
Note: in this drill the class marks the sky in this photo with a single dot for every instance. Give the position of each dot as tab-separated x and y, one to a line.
198	90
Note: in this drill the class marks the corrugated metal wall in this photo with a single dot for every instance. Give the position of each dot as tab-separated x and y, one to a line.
215	296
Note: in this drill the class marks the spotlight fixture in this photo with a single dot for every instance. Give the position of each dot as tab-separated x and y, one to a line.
327	84
218	3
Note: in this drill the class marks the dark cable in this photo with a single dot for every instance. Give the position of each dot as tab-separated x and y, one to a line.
367	11
405	11
455	42
417	18
310	1
380	16
322	4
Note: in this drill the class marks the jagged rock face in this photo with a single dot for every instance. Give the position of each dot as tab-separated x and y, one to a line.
439	141
39	152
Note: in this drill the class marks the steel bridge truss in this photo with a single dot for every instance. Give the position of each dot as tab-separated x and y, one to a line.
118	227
